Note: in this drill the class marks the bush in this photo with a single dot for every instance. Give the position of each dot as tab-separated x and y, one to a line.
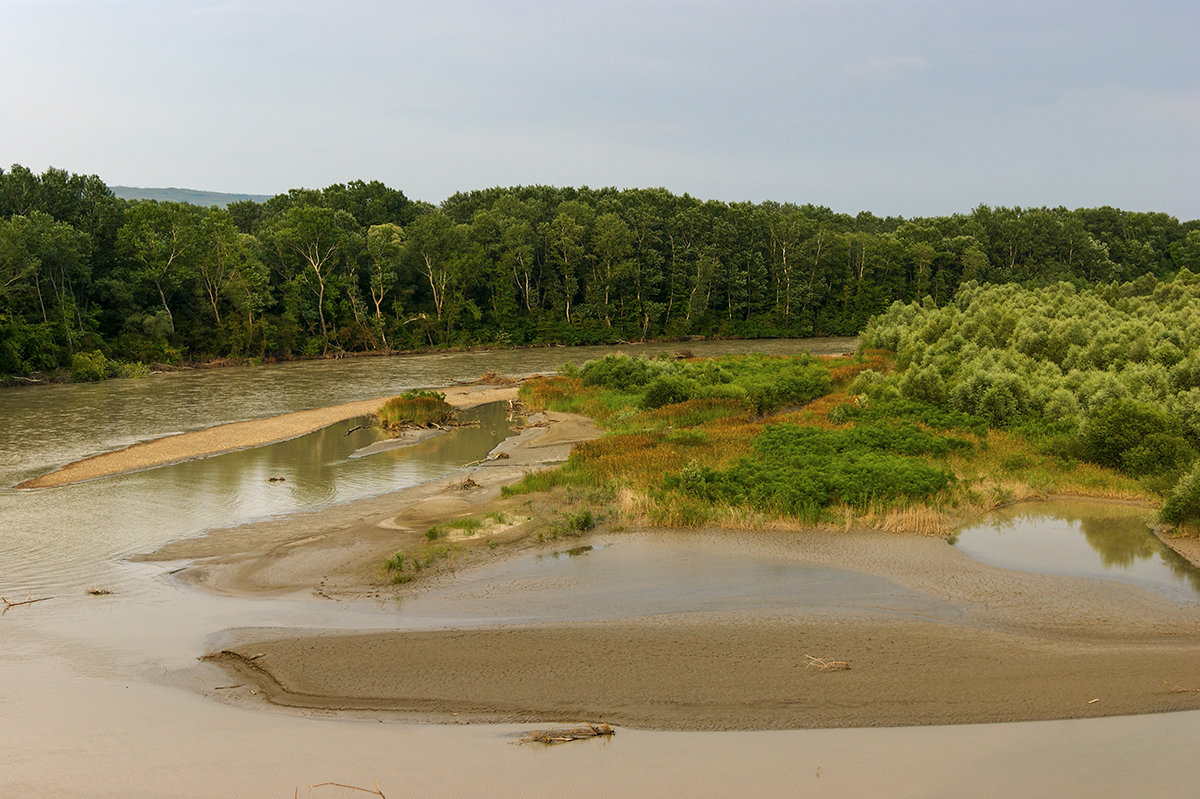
416	409
1183	503
621	372
1113	432
667	390
1157	453
924	385
89	366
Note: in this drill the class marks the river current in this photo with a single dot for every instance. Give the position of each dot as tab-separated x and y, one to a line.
95	697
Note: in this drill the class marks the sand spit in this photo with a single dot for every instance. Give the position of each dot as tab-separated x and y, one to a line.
676	674
239	435
340	549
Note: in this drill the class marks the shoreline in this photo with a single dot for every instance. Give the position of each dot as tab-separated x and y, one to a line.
48	379
233	436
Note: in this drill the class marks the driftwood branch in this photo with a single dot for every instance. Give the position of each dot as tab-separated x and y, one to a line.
826	665
375	792
583	731
28	601
1179	689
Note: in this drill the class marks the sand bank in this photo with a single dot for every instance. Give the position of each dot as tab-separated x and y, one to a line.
952	641
239	435
339	549
965	642
678	674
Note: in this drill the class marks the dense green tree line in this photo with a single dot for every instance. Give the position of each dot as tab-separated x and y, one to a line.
360	267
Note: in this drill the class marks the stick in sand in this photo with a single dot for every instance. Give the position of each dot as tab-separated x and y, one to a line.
28	601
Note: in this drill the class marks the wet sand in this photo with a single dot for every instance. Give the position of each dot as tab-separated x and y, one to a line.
239	435
723	675
952	641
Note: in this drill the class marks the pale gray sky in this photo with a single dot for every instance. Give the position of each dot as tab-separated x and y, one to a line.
910	108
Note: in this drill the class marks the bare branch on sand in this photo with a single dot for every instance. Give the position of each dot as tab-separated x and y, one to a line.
375	792
8	605
583	731
826	665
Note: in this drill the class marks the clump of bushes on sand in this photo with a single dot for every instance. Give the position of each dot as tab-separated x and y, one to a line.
403	567
416	409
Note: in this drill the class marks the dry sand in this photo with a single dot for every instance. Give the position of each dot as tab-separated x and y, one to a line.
238	435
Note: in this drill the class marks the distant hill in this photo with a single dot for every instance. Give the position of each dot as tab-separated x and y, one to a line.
193	196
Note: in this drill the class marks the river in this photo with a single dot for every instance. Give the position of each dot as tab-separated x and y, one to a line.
97	683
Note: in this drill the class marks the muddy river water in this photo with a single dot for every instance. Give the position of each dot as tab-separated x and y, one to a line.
99	692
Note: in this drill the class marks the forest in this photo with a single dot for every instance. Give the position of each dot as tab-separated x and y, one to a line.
94	286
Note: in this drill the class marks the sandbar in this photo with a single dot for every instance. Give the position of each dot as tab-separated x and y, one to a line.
239	435
1002	646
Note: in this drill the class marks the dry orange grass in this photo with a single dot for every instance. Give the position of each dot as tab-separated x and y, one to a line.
539	393
843	372
817	411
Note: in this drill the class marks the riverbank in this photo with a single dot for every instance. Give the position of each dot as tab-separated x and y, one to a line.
339	551
952	641
240	435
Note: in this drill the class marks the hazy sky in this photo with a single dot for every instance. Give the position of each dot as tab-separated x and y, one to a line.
906	108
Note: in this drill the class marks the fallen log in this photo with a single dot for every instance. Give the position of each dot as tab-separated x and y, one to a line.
582	732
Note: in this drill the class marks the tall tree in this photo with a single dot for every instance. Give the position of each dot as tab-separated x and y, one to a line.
160	240
310	244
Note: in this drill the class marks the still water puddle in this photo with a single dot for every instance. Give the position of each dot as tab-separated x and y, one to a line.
628	575
1083	539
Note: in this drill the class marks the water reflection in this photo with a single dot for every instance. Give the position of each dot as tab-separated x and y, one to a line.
57	537
1092	539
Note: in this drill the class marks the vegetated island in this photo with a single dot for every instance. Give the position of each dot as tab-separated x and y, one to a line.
1003	395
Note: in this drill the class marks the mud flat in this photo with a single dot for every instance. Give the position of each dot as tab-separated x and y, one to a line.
891	631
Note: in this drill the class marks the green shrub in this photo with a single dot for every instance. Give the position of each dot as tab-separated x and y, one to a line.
1157	453
924	385
621	372
1183	503
579	521
89	366
1113	432
667	390
416	409
136	369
